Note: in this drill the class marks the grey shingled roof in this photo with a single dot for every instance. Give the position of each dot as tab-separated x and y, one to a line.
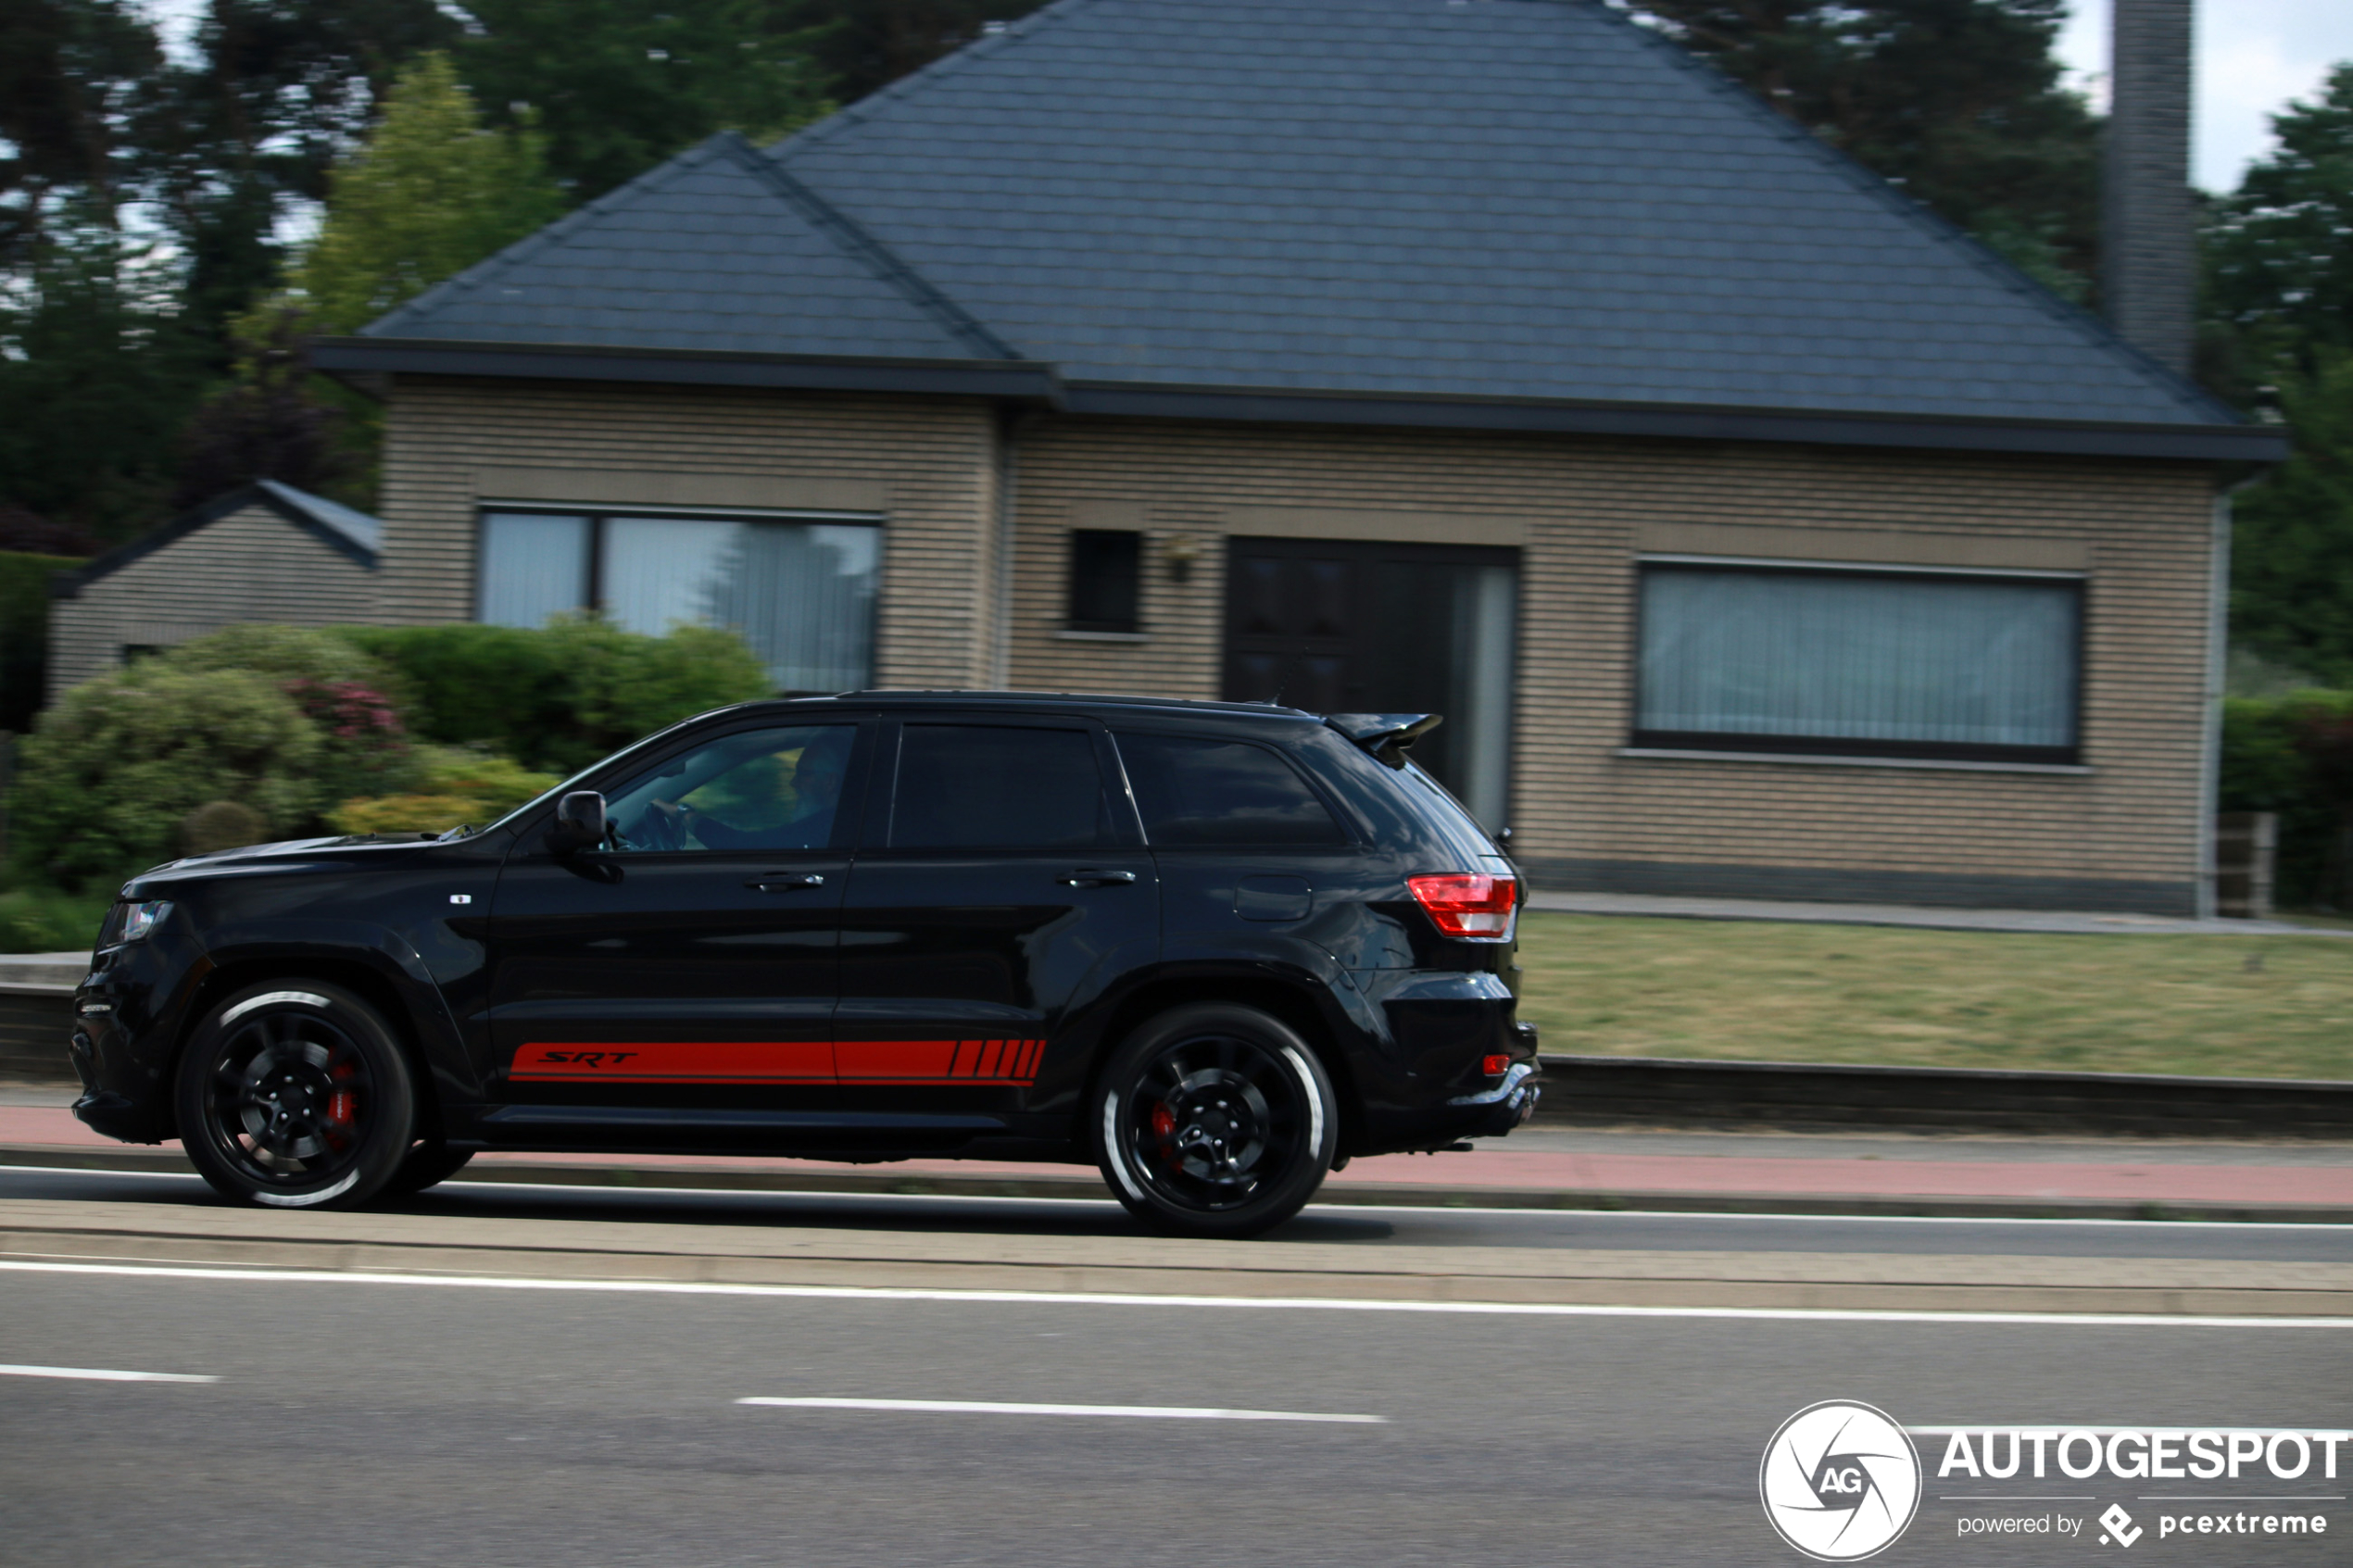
717	249
1518	199
357	529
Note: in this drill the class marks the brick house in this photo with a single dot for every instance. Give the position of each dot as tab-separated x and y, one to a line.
261	552
1759	532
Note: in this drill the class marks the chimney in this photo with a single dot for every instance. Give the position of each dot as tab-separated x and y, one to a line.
2147	228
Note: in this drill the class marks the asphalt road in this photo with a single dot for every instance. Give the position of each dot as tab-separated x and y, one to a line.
1338	1225
355	1423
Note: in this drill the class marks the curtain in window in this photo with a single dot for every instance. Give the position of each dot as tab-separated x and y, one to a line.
803	594
532	567
1831	656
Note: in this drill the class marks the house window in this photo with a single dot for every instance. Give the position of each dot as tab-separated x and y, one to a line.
1106	574
1960	666
801	594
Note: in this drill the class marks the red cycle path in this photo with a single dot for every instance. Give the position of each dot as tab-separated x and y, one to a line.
1509	1169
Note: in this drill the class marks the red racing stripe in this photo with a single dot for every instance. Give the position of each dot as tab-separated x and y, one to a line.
906	1062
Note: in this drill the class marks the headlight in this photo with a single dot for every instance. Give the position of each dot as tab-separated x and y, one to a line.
139	918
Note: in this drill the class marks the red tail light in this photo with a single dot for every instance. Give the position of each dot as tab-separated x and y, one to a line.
1468	906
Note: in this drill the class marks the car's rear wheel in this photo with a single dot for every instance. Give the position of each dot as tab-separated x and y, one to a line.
1215	1120
294	1094
427	1164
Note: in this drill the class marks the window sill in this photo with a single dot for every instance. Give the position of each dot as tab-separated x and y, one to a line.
1103	636
1818	759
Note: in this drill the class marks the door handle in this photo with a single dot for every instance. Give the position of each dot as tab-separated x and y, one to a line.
783	882
1097	879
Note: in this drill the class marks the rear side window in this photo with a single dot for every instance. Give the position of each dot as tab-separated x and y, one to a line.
978	786
1193	790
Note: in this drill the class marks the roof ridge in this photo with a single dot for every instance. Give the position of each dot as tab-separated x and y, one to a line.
552	234
1984	257
979	48
860	244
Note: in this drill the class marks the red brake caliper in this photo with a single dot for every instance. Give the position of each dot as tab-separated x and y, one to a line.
343	1106
1163	1122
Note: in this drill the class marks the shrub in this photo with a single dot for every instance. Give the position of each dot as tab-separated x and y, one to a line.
559	698
460	787
106	779
42	920
221	824
2277	756
351	699
24	633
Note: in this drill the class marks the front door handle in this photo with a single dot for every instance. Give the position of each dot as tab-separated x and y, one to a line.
786	882
1097	879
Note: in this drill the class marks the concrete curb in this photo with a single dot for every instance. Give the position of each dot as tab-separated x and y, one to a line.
1083	1187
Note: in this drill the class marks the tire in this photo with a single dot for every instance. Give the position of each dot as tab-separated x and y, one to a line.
426	1165
295	1095
1215	1120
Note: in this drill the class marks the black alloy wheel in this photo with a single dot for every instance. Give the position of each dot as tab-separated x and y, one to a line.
295	1095
1215	1120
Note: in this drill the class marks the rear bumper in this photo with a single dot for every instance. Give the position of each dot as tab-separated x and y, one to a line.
1506	1105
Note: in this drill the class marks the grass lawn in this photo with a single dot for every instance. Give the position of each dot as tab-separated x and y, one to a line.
2256	1007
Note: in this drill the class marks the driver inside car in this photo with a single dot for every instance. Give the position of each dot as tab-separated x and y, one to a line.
808	791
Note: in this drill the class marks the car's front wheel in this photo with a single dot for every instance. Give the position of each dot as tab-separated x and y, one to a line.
294	1094
1215	1120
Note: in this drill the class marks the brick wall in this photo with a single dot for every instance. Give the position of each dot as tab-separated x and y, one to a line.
252	565
2121	835
925	467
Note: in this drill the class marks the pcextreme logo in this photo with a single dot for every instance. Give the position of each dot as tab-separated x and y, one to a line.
1840	1481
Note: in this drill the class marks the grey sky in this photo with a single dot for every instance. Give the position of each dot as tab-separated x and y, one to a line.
2253	56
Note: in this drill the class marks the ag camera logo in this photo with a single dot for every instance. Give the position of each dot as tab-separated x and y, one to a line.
1841	1481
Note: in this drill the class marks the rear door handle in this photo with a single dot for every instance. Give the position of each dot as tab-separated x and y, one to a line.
1097	879
783	882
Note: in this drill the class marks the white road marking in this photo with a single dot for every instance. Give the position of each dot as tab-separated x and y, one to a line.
104	1374
1248	1303
991	1407
1106	1202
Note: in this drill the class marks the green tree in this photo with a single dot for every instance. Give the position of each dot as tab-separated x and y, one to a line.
863	45
245	131
2292	558
75	76
426	196
96	378
1960	101
616	86
2279	251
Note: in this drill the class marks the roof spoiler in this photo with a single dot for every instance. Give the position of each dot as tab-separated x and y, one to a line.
1385	736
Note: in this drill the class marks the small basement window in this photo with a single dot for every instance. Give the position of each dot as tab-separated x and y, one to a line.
1874	663
1106	580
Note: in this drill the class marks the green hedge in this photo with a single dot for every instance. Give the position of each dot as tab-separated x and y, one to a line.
558	699
2275	759
294	724
24	633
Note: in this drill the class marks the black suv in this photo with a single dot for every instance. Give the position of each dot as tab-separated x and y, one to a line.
1216	948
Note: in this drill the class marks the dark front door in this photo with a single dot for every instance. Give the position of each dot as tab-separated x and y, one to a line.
1347	626
1000	885
692	961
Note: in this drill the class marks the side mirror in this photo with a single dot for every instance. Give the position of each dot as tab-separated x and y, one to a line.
580	822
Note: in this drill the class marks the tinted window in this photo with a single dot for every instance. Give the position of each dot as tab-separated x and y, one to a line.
754	790
1197	791
970	787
